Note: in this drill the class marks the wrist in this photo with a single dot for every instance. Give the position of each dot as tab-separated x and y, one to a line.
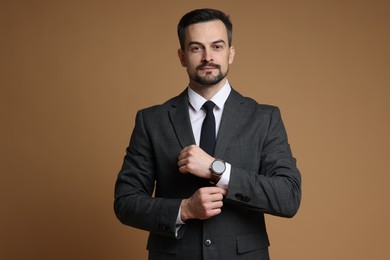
184	216
217	168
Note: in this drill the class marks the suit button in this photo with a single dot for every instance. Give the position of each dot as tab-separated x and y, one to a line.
239	196
207	242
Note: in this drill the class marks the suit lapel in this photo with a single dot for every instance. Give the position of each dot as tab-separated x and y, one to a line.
230	122
180	120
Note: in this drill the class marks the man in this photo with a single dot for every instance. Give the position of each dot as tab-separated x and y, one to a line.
215	169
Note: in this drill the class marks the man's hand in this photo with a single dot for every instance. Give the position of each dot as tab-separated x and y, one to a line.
203	204
192	159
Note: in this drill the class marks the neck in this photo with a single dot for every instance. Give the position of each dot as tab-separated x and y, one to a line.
207	91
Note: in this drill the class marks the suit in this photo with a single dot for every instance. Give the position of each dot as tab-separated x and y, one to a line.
264	179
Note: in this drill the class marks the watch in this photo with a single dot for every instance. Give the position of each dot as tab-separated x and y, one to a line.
217	168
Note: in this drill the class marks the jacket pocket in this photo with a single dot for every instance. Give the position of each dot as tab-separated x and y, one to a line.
251	242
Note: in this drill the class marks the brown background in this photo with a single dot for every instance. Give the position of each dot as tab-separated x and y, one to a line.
73	74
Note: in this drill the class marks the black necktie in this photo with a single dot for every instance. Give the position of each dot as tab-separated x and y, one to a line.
207	135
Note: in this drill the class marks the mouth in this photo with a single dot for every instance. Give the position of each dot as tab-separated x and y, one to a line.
208	68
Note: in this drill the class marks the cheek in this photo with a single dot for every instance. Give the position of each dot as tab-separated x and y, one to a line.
189	60
192	64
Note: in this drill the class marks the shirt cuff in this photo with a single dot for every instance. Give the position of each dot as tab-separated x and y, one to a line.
179	222
225	178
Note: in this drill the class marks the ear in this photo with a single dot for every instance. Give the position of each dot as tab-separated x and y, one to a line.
232	52
180	53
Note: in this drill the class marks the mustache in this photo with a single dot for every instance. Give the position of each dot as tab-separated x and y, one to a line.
208	65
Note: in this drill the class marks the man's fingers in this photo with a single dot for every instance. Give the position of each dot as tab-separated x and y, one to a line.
182	162
213	190
216	197
215	212
216	205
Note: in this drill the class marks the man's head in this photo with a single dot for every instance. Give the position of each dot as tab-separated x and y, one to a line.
206	51
201	16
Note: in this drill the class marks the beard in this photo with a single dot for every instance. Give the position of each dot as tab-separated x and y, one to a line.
209	79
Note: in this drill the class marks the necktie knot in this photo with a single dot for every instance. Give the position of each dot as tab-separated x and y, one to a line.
209	106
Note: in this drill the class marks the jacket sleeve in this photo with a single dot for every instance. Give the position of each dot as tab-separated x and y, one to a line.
134	204
276	187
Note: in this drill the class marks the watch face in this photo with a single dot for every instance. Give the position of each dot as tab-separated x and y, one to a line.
218	167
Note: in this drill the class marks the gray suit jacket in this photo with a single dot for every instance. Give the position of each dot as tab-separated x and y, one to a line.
264	179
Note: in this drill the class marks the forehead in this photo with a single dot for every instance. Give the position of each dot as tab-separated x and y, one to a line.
206	32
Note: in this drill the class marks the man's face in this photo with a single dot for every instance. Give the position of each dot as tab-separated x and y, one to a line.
206	53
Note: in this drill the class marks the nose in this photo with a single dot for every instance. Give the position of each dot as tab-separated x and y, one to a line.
207	57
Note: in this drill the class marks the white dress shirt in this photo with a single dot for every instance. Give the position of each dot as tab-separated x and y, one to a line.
197	115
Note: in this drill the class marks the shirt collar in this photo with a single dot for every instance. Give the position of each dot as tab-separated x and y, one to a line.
219	99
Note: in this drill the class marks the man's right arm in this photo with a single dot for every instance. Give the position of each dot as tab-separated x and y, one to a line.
134	204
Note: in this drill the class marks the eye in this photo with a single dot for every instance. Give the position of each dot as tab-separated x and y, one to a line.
196	48
218	46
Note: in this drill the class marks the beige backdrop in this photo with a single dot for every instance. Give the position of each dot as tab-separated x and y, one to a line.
74	73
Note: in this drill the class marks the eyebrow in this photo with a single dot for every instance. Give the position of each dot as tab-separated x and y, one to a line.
199	43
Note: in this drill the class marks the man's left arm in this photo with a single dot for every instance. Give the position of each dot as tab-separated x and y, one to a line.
276	187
